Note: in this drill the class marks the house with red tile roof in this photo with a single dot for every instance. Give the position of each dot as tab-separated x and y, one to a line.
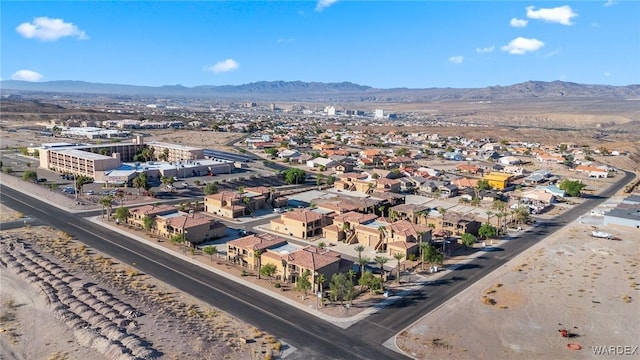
301	223
194	228
312	260
138	214
243	251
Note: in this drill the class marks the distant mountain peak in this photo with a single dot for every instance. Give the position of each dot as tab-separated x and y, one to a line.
337	91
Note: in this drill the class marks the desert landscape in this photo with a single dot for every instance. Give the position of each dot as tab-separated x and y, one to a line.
62	300
570	281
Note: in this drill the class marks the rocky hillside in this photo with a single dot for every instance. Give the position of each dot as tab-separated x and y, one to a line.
345	91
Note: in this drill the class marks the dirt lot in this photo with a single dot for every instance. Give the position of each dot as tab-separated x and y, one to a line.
171	324
570	281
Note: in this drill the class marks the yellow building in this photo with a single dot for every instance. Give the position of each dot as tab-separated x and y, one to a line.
498	180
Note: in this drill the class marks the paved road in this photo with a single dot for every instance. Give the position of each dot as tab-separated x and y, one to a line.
400	314
314	338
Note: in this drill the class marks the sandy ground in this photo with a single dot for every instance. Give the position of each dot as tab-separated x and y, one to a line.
205	139
175	325
586	285
178	326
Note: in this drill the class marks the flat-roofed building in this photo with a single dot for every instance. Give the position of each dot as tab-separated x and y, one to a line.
78	162
176	152
498	180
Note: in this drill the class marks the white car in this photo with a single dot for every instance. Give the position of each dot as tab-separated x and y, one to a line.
185	184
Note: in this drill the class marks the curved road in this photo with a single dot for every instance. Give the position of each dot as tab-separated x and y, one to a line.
314	338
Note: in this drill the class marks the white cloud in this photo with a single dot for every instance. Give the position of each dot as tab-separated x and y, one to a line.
561	15
520	46
324	4
610	3
288	40
456	59
47	29
518	22
26	75
485	50
223	66
606	73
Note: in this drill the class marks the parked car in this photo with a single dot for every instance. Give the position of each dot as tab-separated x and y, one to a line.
41	180
185	184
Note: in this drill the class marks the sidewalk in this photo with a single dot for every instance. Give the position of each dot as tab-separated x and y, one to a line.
416	280
342	322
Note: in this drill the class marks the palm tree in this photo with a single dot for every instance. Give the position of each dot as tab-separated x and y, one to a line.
106	203
398	257
425	249
442	212
381	260
359	248
489	214
383	232
362	261
256	254
141	181
120	196
321	280
247	202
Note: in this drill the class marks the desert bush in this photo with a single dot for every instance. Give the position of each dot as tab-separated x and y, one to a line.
488	301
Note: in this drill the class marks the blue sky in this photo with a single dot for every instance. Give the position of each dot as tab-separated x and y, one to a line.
385	44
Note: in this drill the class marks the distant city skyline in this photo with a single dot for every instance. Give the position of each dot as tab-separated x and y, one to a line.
458	44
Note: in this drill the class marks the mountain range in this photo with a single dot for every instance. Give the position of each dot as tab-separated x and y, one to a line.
344	91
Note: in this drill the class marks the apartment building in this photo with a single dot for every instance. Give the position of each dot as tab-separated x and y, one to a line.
344	224
195	228
302	223
232	204
243	251
138	214
290	266
176	152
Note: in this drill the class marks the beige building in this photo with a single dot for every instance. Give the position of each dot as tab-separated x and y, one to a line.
175	152
344	224
195	228
405	237
230	204
138	214
243	251
78	162
290	266
301	223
